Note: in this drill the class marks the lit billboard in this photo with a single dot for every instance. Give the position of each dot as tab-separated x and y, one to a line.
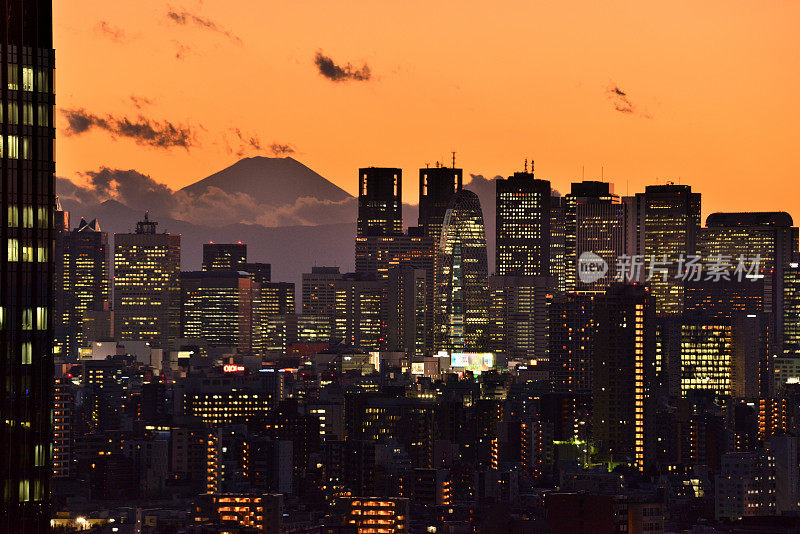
477	362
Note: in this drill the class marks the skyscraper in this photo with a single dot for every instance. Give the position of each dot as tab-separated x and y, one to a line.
436	187
669	224
217	306
28	203
624	370
518	321
318	293
358	311
461	303
594	196
224	256
770	236
407	311
558	232
147	301
380	201
600	230
523	226
85	282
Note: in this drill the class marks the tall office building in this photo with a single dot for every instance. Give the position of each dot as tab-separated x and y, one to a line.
147	293
558	230
85	283
224	256
669	223
624	370
791	310
523	226
380	201
377	256
217	306
772	237
518	322
436	187
594	198
461	297
571	341
26	270
318	293
407	310
358	311
601	231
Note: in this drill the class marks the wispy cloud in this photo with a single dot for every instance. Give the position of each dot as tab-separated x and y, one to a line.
328	68
242	144
140	101
111	32
145	131
184	18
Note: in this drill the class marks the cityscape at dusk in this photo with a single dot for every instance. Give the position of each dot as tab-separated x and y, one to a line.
399	268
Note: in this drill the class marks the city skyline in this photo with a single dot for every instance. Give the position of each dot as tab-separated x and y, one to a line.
709	91
261	351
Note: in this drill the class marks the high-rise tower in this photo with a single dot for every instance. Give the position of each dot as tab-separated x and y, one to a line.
380	202
436	187
461	304
27	190
523	226
147	300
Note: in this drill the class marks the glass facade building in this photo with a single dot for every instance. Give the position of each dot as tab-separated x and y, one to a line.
461	309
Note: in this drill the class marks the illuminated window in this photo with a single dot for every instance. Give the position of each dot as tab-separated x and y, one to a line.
41	318
13	249
13	216
13	76
27	353
27	79
44	219
27	216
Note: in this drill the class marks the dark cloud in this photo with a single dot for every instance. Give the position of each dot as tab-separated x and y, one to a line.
622	101
184	17
340	73
112	32
144	131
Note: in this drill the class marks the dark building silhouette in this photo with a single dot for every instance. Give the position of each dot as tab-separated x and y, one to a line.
380	201
224	256
26	270
624	371
436	187
523	226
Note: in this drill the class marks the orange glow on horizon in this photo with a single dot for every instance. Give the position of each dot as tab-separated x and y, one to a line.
712	88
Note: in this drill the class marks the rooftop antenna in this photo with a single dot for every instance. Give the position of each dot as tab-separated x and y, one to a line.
526	164
583	172
454	159
533	163
602	173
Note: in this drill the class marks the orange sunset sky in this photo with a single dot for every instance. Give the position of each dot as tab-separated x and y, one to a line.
712	89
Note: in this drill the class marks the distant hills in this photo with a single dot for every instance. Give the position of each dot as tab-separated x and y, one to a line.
289	215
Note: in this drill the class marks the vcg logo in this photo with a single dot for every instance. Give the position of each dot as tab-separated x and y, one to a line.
591	267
